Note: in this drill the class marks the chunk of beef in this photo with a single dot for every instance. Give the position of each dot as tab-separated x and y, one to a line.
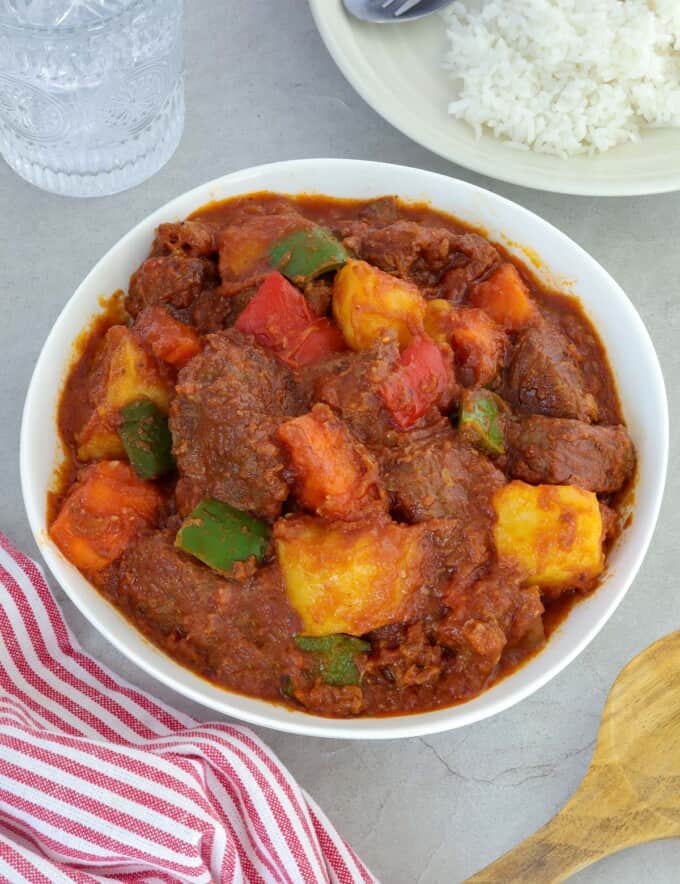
319	294
544	376
408	653
336	701
474	256
440	261
457	651
381	212
173	594
349	384
170	280
433	474
217	309
594	365
611	524
465	548
188	495
230	401
560	451
194	239
494	614
239	634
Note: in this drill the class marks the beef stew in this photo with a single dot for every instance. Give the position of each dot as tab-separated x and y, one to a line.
344	455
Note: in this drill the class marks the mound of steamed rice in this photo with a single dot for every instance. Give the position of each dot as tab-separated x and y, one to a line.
565	77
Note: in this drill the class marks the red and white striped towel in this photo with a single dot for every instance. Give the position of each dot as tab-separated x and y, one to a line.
99	782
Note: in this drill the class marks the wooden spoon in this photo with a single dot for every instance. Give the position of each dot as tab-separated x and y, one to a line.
631	791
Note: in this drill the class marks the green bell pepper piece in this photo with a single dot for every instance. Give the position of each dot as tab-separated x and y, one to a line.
336	656
220	535
146	439
481	420
305	254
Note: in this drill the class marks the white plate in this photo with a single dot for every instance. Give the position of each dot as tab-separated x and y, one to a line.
631	354
396	69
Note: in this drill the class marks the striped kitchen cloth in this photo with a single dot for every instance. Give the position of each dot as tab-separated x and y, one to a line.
99	782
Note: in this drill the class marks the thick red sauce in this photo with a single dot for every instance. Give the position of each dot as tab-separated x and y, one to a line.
237	631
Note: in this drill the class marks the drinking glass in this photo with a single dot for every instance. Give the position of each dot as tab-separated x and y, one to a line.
91	91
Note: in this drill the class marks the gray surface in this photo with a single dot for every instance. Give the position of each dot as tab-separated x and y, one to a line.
261	87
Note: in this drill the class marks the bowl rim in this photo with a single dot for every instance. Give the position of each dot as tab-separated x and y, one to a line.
175	676
332	21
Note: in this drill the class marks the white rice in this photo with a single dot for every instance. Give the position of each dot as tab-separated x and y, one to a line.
565	77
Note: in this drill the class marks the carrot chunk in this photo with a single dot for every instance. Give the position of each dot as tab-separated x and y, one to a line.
169	339
104	510
505	297
335	475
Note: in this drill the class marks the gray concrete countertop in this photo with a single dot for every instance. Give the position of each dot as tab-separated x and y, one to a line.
261	87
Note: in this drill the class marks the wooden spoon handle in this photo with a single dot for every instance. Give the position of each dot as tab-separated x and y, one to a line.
603	816
543	858
631	791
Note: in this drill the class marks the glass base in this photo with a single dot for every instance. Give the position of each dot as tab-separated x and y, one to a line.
101	171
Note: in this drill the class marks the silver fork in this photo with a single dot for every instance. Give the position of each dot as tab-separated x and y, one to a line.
394	11
403	8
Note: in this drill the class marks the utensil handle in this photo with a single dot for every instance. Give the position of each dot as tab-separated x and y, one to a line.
544	858
603	816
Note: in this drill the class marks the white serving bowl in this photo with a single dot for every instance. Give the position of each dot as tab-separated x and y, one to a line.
632	358
397	69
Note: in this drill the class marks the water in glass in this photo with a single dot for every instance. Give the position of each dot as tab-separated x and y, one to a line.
91	91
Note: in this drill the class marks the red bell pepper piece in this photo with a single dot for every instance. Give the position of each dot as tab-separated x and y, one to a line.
276	315
280	319
422	377
317	342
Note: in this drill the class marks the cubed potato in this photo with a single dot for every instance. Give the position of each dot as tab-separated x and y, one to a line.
132	372
98	442
552	533
368	302
506	299
344	578
438	320
124	371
